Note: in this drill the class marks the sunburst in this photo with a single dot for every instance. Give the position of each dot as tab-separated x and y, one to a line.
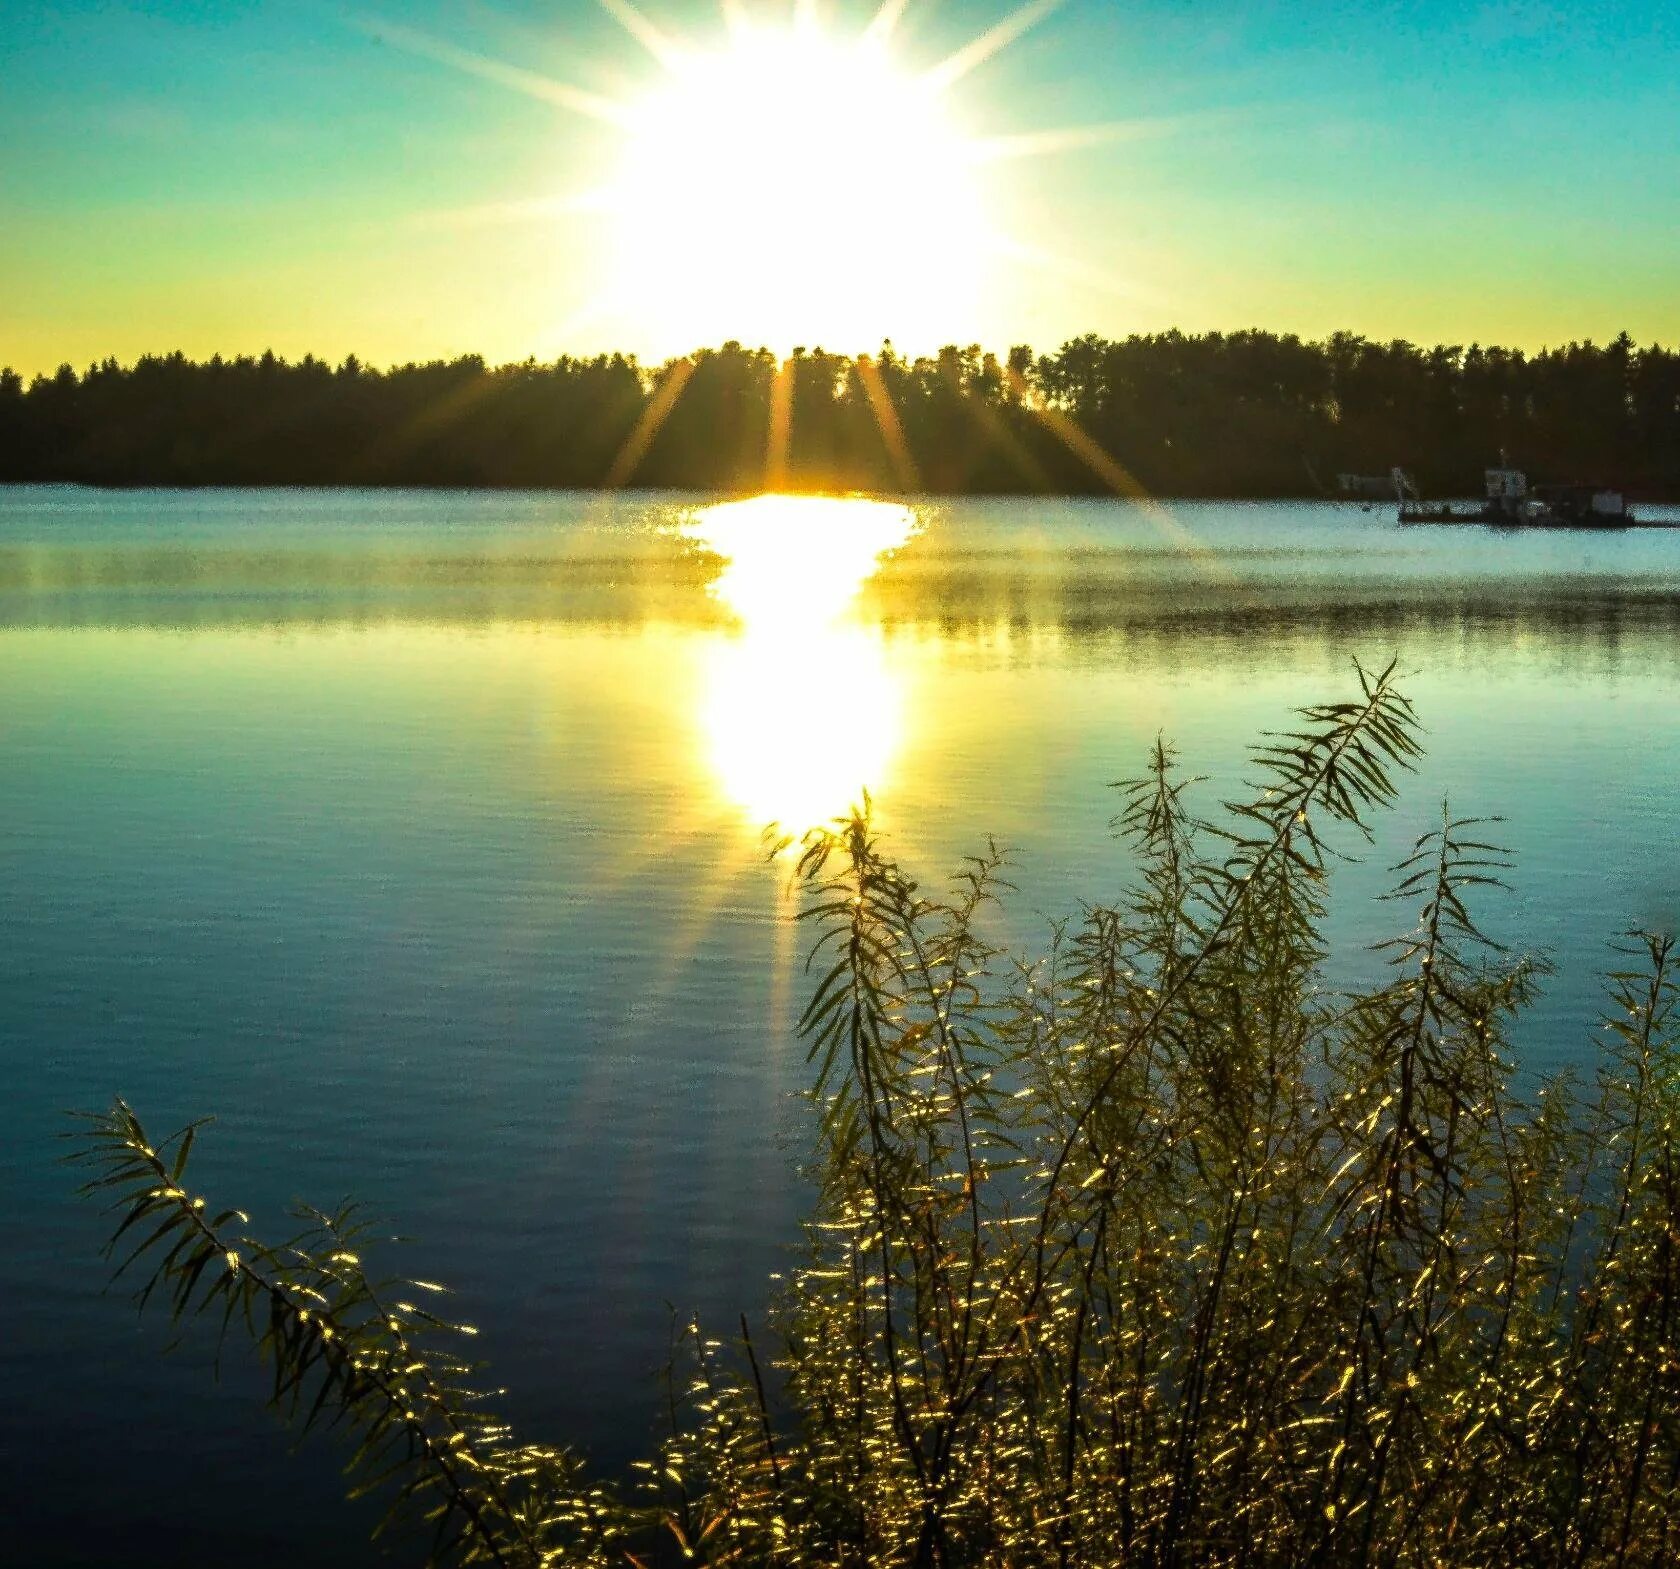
795	181
782	180
785	181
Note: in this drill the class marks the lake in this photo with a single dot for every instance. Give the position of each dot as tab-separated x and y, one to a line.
417	837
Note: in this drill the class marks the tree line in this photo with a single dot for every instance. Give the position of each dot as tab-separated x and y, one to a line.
1215	414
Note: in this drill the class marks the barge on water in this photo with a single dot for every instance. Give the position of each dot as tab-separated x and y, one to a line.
1512	504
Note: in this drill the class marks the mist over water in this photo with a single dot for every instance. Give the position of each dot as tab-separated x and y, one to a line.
416	835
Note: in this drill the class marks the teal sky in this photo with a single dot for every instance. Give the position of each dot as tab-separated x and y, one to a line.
229	177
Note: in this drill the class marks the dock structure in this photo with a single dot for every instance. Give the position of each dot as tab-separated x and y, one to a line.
1511	502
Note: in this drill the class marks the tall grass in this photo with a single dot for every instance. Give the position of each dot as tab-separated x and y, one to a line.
1150	1251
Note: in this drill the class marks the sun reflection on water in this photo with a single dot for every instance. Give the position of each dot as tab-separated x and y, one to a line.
800	711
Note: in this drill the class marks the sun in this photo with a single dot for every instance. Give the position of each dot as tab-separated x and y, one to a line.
782	177
795	186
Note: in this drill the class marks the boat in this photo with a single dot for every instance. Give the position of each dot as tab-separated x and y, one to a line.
1511	503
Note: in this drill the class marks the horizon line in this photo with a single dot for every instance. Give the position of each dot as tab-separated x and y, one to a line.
666	363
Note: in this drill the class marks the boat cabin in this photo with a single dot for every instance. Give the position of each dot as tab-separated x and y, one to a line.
1507	493
1583	503
1510	501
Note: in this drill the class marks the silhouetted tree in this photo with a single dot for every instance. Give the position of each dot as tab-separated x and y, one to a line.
1216	414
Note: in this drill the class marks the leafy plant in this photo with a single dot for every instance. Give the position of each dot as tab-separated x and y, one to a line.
346	1350
1149	1251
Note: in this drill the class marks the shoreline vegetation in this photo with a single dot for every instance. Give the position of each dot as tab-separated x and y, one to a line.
1147	1250
1249	414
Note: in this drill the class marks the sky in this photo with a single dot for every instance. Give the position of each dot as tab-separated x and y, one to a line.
425	180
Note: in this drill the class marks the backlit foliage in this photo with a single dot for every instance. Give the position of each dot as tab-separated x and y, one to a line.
1149	1251
1243	414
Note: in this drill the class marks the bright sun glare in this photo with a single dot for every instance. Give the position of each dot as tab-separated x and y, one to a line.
786	177
801	710
793	182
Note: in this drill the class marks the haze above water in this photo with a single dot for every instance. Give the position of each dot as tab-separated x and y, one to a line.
417	836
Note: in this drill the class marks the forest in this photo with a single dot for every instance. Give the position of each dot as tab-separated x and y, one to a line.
1242	414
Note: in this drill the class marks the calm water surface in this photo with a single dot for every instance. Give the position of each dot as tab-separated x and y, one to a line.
416	836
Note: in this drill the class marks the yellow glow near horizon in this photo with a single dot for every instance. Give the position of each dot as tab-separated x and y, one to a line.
794	187
801	712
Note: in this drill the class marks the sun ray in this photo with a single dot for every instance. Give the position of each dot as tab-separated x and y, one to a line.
525	209
783	963
1075	138
691	830
590	310
427	421
648	34
658	410
885	21
702	896
703	899
1113	474
858	144
531	83
779	436
973	55
1011	446
1067	268
886	416
1119	479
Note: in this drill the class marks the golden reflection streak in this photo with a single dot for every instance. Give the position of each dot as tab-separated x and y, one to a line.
800	711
